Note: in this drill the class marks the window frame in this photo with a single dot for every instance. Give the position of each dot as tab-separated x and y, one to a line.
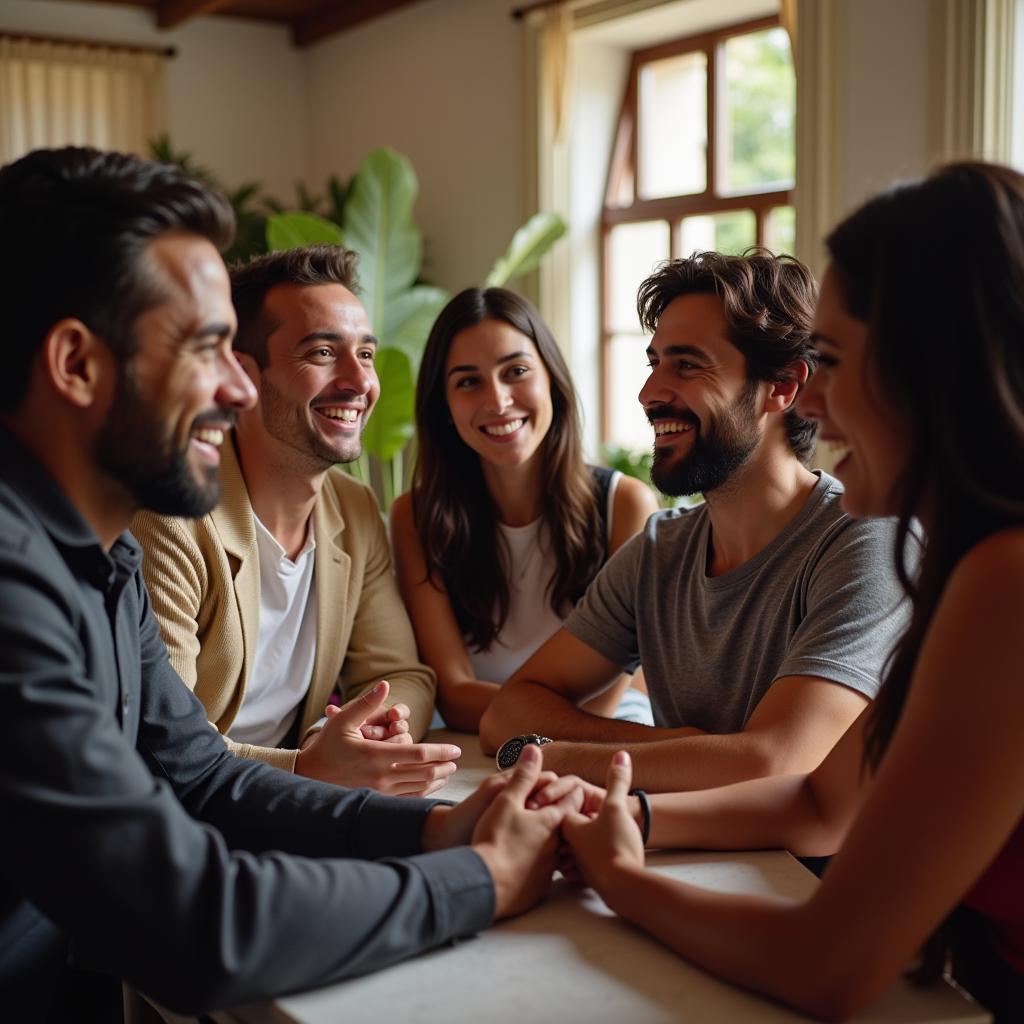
672	210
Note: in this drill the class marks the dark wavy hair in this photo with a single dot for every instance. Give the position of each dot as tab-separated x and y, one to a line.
769	307
456	517
946	342
76	224
305	265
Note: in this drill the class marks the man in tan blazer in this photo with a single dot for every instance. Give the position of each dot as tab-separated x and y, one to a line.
284	593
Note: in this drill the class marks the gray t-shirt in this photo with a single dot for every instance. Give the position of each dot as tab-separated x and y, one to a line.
822	599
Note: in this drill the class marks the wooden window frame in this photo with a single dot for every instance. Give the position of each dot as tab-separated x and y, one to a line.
625	162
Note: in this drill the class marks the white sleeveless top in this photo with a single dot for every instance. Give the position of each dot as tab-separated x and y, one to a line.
531	620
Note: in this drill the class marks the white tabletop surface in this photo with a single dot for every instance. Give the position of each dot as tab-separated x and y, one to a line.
572	960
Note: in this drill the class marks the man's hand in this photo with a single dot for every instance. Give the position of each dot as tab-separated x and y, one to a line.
341	753
518	845
554	788
610	841
390	724
446	827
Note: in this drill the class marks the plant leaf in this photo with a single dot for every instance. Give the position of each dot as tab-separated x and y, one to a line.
527	247
391	423
410	316
290	230
379	226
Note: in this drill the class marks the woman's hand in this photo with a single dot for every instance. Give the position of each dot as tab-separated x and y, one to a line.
557	786
605	844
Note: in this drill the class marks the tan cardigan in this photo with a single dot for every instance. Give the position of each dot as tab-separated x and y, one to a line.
204	580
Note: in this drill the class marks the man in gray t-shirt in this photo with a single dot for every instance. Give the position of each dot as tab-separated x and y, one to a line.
763	618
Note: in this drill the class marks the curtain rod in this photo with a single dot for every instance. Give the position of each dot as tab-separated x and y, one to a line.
92	44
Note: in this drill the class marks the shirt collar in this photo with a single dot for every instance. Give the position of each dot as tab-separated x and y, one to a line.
58	515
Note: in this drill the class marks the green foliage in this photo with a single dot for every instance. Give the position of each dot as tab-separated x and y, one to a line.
378	224
762	101
527	247
247	200
638	464
295	229
628	461
735	231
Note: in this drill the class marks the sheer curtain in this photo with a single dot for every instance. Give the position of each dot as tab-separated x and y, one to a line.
973	78
61	93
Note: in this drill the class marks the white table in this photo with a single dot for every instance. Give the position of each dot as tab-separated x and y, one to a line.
572	960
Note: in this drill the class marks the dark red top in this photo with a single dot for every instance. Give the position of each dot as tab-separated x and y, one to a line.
999	896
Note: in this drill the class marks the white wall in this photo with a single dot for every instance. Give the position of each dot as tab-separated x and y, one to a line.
440	81
235	91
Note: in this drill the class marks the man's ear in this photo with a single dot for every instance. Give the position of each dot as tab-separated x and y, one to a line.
782	393
77	363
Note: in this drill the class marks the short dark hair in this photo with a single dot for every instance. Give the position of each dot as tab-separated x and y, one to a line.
306	265
75	224
769	307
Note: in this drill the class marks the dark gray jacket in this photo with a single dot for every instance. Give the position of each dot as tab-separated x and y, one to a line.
133	841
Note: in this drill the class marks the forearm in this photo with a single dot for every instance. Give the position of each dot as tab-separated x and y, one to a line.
777	812
462	704
761	943
524	707
686	760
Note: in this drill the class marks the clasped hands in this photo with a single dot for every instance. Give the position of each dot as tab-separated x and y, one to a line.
525	823
363	743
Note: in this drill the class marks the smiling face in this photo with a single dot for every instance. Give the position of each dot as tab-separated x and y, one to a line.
499	392
698	398
179	392
319	385
844	396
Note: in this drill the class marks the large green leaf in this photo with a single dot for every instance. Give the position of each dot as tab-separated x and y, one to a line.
379	226
291	230
527	247
410	317
391	423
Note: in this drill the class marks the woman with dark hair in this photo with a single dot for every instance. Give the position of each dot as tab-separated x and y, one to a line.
920	333
505	525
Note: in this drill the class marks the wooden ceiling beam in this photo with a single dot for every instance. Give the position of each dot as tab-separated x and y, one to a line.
170	13
343	16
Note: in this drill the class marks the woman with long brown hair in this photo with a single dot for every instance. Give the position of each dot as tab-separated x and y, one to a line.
505	525
920	332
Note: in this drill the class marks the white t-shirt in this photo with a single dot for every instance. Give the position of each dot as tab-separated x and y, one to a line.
285	646
531	620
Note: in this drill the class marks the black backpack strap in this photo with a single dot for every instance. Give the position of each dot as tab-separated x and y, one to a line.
602	487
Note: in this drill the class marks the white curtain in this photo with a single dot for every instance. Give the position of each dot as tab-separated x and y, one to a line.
57	94
816	29
972	78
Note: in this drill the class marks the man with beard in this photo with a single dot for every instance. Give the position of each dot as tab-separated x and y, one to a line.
284	595
761	618
134	843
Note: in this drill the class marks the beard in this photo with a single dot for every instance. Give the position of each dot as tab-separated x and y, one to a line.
134	448
283	420
720	447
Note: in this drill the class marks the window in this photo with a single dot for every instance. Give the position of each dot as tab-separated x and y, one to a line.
704	159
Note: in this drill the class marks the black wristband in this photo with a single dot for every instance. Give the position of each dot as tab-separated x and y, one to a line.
645	813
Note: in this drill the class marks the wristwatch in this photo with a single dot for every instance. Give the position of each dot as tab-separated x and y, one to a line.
509	751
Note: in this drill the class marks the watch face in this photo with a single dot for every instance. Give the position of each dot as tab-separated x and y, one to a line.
510	751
